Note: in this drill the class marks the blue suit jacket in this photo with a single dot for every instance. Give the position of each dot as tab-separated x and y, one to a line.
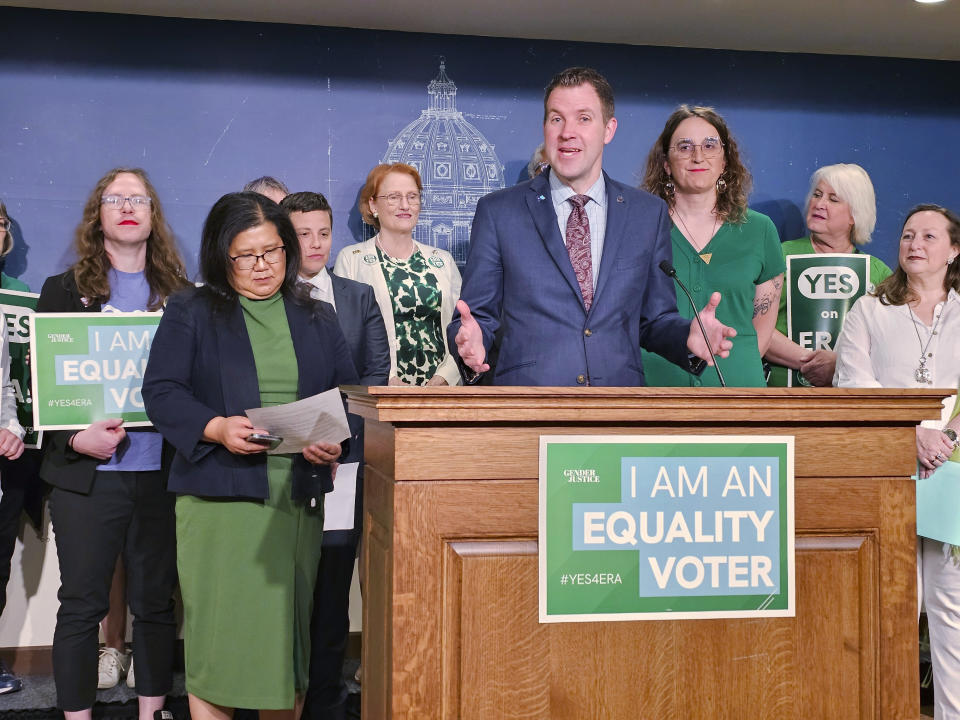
202	366
519	279
361	321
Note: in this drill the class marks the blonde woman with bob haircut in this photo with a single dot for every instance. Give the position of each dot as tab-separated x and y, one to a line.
841	215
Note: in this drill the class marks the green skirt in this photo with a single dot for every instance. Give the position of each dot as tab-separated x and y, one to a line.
247	574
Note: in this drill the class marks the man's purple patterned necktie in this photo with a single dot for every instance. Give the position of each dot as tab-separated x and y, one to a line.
578	247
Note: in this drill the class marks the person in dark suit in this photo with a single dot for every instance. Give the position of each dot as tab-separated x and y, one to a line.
574	315
109	492
249	525
362	324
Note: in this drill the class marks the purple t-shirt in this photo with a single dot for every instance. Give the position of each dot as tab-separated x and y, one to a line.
129	292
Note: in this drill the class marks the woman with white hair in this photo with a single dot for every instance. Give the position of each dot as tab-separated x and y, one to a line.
841	215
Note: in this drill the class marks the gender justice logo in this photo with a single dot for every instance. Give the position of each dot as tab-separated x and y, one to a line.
666	527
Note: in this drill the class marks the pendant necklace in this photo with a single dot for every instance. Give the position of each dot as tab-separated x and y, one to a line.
703	256
922	374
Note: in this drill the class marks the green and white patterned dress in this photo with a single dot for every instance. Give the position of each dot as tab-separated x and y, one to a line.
416	300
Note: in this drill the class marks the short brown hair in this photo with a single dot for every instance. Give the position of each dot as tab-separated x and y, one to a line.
372	186
732	202
577	76
895	290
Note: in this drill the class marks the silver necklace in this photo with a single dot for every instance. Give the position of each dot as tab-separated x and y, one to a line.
922	373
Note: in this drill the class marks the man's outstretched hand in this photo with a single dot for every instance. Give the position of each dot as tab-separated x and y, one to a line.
718	333
469	340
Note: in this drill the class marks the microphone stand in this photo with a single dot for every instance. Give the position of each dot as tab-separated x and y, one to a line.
670	271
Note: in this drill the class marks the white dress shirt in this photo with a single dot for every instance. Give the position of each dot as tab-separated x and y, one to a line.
322	287
878	347
596	209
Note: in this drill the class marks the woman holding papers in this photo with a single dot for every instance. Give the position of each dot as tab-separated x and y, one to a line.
109	486
249	525
417	286
841	215
718	244
907	334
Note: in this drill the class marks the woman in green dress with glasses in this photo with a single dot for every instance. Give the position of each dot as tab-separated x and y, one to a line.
417	286
249	525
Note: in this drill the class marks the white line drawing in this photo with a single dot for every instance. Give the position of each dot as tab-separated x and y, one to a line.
457	164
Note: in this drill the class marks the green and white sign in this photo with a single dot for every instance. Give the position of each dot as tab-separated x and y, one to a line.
17	307
665	527
89	366
822	287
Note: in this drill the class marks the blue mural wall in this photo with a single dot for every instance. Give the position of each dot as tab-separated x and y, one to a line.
205	106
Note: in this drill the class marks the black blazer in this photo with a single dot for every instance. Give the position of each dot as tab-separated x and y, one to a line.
201	366
62	467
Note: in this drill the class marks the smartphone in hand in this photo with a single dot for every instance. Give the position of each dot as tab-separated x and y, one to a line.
266	439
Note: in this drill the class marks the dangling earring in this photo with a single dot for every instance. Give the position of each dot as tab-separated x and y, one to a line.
669	188
375	213
721	184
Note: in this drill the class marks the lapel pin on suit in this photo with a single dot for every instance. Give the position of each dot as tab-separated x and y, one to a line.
541	198
619	198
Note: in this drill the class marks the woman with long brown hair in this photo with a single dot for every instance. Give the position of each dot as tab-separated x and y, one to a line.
906	334
718	244
109	486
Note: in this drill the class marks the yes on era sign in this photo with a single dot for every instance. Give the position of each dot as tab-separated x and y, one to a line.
665	527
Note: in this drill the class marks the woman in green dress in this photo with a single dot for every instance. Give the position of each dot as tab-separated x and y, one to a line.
841	215
718	244
249	525
417	286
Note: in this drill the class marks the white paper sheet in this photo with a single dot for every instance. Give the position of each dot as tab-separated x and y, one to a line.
338	505
319	418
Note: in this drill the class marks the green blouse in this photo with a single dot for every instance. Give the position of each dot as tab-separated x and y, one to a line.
276	361
416	300
741	256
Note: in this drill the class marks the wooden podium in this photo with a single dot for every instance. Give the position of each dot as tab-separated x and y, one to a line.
450	623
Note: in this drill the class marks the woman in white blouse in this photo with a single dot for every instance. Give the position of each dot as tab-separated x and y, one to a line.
907	334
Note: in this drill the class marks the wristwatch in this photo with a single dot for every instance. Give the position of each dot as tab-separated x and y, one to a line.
952	434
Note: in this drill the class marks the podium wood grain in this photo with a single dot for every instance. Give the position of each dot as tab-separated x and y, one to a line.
450	546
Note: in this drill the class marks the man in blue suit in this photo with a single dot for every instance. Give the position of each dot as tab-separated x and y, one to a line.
361	321
566	265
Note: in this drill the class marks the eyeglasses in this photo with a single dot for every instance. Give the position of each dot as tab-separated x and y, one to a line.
249	261
393	199
4	224
711	147
118	201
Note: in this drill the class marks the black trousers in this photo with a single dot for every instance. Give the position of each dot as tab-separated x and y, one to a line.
132	513
326	697
21	487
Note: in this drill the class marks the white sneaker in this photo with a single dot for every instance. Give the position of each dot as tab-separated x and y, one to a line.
111	667
131	681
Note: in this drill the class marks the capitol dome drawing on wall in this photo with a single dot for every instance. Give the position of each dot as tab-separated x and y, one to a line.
457	164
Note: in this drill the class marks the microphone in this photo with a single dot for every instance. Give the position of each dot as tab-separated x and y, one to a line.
670	271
